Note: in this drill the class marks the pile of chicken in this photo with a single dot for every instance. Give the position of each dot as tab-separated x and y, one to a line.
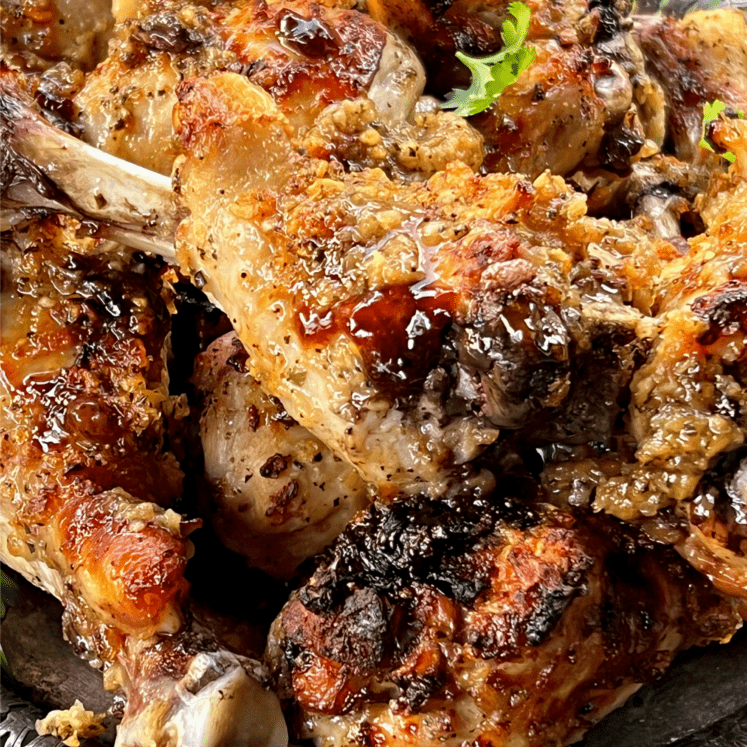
479	392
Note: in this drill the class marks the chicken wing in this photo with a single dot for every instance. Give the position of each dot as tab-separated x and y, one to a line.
86	486
399	323
697	60
305	54
403	324
585	100
279	495
688	398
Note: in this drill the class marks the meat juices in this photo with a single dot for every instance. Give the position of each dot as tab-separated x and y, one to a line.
432	327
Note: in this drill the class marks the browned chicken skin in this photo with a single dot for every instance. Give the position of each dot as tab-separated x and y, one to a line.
405	317
697	60
585	101
86	483
83	378
305	54
479	620
408	313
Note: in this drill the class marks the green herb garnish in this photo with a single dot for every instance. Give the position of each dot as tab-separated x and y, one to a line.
491	75
710	114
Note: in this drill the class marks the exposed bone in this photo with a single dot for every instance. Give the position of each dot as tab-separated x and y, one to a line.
209	697
42	167
399	81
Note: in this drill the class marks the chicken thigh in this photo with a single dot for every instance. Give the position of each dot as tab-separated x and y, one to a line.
478	620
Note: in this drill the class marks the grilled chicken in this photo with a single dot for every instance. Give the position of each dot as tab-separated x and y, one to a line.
306	55
407	314
44	168
87	484
696	60
279	495
353	133
688	398
479	620
403	324
404	333
464	300
676	469
714	541
586	99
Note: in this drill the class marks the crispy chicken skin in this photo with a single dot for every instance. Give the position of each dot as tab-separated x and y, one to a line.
279	495
676	469
86	484
688	397
688	403
304	54
401	324
83	393
478	620
410	313
353	133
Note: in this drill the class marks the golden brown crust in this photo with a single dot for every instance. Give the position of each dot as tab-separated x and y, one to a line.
82	449
310	55
688	397
304	54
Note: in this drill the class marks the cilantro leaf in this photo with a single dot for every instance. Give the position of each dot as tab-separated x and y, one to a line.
711	114
514	34
492	75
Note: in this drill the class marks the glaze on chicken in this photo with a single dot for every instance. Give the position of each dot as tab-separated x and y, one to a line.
305	55
407	322
87	485
521	334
